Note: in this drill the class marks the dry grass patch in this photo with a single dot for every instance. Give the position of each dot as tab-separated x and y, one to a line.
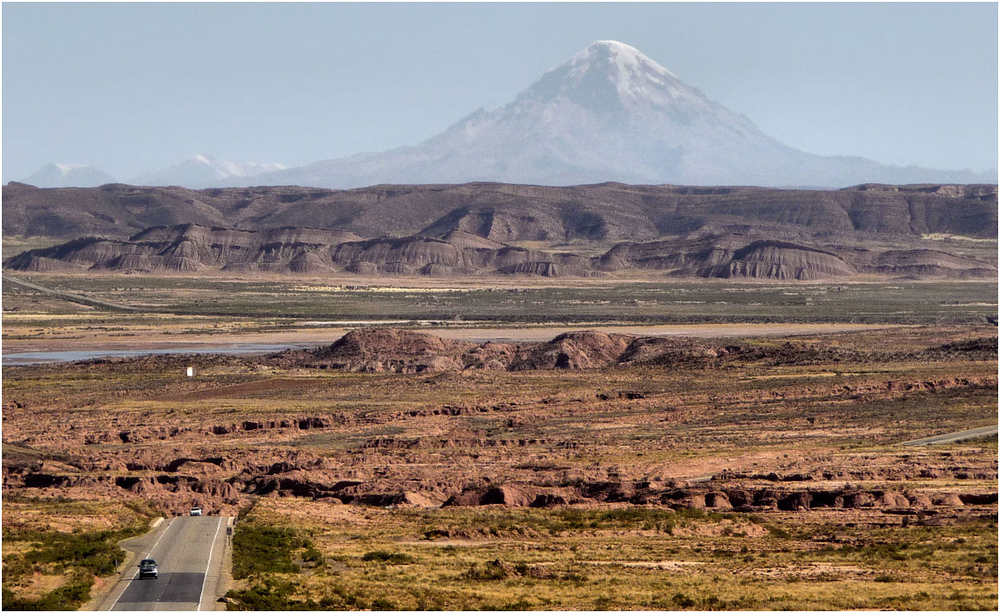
620	558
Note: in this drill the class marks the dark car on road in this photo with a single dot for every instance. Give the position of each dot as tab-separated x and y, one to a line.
148	568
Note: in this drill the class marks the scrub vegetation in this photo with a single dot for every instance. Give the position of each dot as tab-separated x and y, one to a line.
627	558
55	549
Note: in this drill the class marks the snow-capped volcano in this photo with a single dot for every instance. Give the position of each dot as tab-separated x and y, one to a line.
204	171
607	114
609	77
68	175
613	112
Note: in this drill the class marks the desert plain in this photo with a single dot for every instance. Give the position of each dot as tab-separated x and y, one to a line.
481	443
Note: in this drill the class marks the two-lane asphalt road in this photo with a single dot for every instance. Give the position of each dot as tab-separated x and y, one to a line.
189	552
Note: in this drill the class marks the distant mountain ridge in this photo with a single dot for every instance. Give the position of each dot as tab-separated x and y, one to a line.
198	172
68	175
509	213
205	171
609	113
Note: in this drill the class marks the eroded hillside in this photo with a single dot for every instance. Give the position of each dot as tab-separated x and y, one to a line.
474	229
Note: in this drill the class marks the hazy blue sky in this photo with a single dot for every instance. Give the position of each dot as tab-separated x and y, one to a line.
133	87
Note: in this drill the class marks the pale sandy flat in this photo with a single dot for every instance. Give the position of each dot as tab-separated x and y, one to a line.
310	335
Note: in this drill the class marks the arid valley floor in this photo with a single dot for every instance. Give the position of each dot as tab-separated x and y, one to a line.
632	444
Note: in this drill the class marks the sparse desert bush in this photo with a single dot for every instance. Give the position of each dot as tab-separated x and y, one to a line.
259	550
66	598
489	571
268	595
618	567
388	557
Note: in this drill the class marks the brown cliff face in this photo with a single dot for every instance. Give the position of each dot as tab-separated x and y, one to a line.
783	261
610	212
928	263
192	248
472	229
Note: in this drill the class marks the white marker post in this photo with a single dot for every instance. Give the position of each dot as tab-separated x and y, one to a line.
190	371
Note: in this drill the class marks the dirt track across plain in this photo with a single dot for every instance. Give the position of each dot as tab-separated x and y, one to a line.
954	437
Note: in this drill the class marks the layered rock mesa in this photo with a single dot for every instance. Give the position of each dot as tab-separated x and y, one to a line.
505	213
192	248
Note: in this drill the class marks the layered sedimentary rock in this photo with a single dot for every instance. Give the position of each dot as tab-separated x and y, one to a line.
190	248
611	212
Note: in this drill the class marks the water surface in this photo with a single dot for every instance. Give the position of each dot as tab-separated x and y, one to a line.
50	357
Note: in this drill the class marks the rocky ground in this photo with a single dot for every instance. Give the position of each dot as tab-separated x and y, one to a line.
594	470
388	417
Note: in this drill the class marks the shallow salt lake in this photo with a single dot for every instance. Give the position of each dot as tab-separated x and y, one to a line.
50	357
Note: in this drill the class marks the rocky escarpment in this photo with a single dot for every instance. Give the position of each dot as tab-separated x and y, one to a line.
223	482
189	248
482	228
222	485
729	256
192	248
609	212
926	263
403	351
714	497
778	260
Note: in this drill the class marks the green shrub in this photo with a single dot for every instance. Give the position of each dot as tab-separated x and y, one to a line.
270	595
383	604
263	549
312	556
388	557
15	566
683	601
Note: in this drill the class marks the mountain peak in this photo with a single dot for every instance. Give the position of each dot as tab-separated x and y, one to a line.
620	56
609	77
65	169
